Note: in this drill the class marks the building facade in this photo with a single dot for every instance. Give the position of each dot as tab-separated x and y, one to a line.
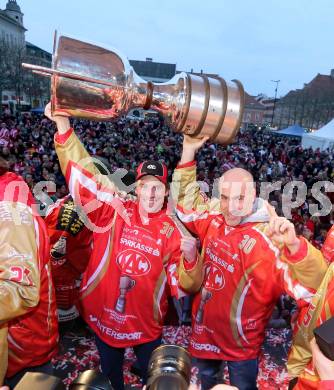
156	72
311	106
254	112
12	29
19	88
37	88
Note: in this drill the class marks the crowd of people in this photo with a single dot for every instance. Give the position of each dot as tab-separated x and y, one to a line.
27	144
27	141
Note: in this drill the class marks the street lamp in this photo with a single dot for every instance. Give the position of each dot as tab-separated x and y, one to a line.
272	117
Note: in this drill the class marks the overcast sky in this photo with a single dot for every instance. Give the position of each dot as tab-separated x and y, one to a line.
254	41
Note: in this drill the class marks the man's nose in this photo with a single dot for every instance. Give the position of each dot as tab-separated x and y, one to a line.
233	206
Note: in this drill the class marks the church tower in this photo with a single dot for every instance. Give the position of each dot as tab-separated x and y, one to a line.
13	11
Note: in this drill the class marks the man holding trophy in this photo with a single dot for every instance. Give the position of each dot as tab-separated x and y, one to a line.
139	256
249	255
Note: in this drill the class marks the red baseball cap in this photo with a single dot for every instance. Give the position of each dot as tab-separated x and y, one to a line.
154	168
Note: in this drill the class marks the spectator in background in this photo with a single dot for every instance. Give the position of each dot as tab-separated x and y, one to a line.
70	249
4	135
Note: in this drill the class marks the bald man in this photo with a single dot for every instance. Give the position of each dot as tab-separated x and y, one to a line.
250	257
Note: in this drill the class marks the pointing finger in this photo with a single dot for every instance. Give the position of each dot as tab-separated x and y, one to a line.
271	210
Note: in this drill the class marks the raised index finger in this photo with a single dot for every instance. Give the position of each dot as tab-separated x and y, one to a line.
271	210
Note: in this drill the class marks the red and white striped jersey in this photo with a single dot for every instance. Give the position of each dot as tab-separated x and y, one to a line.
135	263
245	273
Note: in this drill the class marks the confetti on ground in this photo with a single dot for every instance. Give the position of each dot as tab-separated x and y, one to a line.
78	353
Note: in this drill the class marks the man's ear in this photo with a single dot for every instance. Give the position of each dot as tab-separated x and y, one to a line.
137	187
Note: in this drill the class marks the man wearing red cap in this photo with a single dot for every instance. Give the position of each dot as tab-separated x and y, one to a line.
136	261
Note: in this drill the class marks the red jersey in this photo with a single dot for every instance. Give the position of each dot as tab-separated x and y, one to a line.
320	309
32	337
70	249
135	263
244	274
328	246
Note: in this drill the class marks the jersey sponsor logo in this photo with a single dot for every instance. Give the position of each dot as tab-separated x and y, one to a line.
131	262
213	257
233	256
137	234
214	277
113	333
130	230
205	347
223	242
216	243
150	238
118	317
136	245
200	328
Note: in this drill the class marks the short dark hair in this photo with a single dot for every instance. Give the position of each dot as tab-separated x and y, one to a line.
4	166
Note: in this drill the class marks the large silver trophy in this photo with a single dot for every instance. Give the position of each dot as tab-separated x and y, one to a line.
92	82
